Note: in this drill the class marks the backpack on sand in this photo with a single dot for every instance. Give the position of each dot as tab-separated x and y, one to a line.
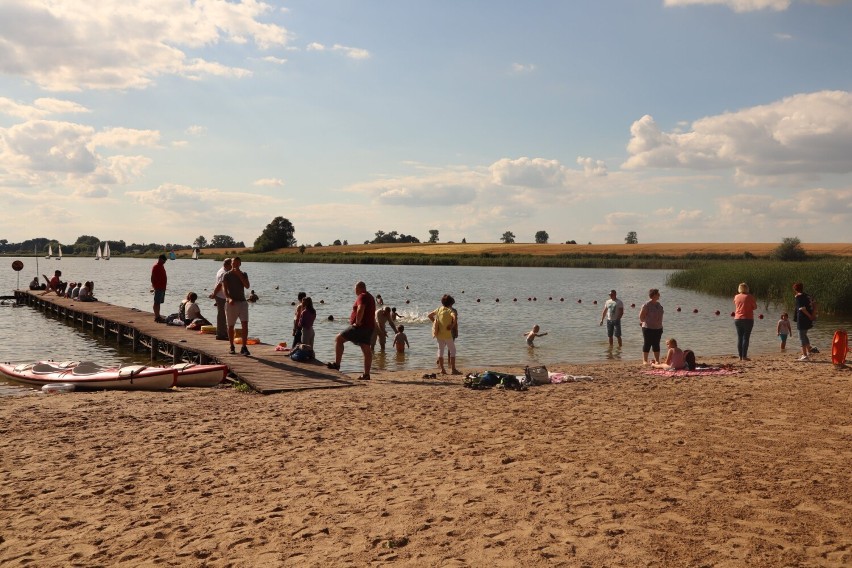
689	359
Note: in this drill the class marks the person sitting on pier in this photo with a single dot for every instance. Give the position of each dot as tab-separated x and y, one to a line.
86	290
69	289
53	284
192	312
34	285
75	293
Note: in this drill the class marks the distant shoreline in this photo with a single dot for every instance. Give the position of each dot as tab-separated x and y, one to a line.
667	250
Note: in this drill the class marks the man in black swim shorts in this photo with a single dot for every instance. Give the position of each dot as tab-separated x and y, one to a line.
360	330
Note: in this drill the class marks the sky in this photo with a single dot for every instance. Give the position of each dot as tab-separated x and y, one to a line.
682	120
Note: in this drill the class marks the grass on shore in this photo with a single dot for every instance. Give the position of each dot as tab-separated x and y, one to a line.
827	281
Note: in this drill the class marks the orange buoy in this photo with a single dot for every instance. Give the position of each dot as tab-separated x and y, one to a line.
839	347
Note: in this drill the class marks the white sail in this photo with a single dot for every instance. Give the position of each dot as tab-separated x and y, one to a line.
49	251
195	254
106	250
98	252
59	256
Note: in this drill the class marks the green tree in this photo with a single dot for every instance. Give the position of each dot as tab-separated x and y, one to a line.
200	242
542	237
222	241
337	243
280	233
508	237
631	238
433	235
789	249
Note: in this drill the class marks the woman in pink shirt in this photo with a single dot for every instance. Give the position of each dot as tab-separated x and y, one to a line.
744	306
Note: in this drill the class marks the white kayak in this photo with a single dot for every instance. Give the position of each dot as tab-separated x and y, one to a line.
89	375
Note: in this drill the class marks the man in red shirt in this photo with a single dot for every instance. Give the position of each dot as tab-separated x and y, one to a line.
362	321
53	284
158	283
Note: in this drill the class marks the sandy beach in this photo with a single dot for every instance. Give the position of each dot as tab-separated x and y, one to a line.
625	469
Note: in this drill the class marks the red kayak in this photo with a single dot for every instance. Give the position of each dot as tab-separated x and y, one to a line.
194	375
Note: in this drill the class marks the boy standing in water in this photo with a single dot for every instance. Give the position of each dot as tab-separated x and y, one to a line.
400	340
532	334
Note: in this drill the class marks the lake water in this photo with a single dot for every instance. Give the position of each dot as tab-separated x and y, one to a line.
496	307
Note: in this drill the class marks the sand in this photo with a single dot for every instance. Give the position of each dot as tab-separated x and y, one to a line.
626	469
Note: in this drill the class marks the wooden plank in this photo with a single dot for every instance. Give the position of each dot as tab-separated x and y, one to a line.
266	370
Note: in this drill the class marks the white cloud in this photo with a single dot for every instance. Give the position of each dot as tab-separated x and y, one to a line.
523	68
64	154
40	108
275	60
208	206
269	182
350	52
735	5
112	44
592	167
529	172
125	138
789	141
196	130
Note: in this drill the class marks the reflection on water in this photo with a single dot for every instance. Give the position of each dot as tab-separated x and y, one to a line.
496	307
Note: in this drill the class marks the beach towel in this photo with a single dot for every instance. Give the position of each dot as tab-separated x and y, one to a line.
699	372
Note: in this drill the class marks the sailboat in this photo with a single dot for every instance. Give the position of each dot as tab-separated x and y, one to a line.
59	256
106	250
194	254
98	252
49	251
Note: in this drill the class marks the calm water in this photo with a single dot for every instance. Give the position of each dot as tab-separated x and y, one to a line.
560	300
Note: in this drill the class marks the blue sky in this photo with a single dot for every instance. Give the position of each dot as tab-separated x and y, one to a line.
682	120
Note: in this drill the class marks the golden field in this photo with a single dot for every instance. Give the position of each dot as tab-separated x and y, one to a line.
661	249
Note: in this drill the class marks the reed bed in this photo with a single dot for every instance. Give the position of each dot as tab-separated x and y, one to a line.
828	281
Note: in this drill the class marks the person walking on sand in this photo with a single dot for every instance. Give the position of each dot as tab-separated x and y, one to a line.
804	317
443	321
218	296
235	284
744	306
784	330
651	320
158	284
362	320
532	334
613	311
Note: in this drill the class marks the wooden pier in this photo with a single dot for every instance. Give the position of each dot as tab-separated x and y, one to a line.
266	370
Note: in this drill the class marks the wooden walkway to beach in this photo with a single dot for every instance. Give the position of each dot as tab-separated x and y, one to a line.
266	370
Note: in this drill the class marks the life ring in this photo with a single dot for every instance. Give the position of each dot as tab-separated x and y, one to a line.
839	347
57	388
209	329
250	341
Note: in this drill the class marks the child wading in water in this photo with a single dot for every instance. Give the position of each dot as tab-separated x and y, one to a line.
784	330
675	359
400	340
532	334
